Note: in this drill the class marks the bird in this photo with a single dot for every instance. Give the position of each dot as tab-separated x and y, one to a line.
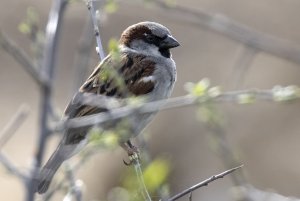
146	68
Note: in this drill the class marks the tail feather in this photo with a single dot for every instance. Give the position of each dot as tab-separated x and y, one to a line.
47	172
62	153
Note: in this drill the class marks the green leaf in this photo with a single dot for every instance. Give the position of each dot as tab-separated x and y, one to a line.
198	89
113	45
246	98
108	139
208	113
24	28
214	91
156	174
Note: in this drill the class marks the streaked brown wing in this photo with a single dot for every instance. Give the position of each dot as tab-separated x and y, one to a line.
115	79
121	79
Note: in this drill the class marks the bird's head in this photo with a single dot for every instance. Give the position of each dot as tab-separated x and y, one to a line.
150	38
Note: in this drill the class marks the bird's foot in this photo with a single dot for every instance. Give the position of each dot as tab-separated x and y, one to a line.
132	151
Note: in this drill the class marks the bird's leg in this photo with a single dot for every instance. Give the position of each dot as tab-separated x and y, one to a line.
132	151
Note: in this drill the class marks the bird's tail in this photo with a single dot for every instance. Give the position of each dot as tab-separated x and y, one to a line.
46	174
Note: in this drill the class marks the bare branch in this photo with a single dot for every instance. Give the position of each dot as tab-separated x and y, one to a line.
226	152
182	101
203	183
12	126
75	189
12	168
241	65
82	58
191	196
49	61
232	29
49	194
139	174
100	50
52	31
22	58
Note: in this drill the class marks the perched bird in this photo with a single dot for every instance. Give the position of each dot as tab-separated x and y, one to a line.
146	69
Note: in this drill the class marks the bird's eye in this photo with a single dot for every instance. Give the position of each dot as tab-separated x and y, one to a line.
150	38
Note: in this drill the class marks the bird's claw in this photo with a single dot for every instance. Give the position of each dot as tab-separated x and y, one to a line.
133	158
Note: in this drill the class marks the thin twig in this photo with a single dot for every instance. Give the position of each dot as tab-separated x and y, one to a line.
49	61
82	58
203	183
48	195
182	101
139	174
191	196
75	189
242	64
226	152
12	168
22	58
100	50
12	126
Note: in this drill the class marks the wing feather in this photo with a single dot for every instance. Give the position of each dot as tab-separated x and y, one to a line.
120	79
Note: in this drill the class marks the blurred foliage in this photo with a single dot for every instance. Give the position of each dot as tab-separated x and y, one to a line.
30	27
207	111
246	98
156	173
166	3
198	89
110	138
29	24
202	89
136	100
170	3
118	194
106	139
155	176
111	6
288	93
109	71
113	47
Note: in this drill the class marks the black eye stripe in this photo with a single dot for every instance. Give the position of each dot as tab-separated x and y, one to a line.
163	38
152	39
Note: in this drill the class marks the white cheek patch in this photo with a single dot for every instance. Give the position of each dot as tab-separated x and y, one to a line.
147	79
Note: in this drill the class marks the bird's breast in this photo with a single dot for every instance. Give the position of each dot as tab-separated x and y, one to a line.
165	77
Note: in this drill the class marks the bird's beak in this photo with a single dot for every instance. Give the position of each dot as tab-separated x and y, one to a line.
169	42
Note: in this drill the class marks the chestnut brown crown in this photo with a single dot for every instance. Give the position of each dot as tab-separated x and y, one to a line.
149	32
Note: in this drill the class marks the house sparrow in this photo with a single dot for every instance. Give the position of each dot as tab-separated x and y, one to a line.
146	68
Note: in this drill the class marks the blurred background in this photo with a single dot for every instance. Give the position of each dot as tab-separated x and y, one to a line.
263	136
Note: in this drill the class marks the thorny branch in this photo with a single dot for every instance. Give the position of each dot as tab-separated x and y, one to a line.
203	183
